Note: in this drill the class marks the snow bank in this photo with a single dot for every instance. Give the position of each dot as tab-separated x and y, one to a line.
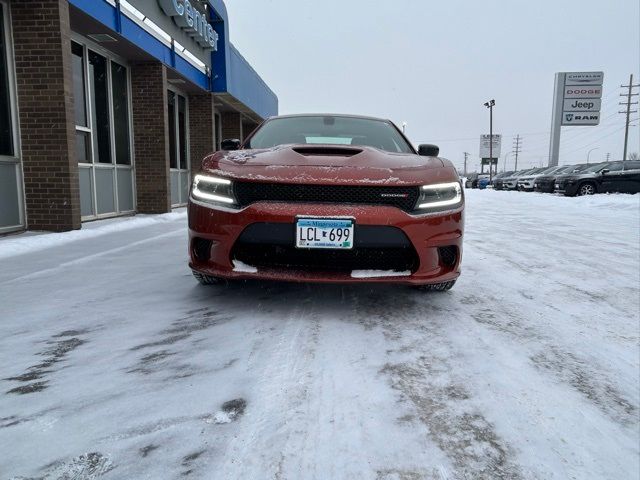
28	242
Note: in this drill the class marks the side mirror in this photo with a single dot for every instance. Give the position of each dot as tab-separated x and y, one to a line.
428	150
230	144
606	170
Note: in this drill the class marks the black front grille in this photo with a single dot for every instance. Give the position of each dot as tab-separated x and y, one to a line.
278	256
403	198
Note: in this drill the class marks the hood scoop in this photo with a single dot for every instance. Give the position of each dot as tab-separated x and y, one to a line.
329	151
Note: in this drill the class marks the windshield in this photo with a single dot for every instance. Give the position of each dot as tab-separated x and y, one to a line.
330	130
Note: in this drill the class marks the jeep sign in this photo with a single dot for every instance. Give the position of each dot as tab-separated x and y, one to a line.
582	105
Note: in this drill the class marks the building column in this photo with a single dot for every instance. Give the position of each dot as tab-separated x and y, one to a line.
248	126
151	137
201	129
42	45
231	125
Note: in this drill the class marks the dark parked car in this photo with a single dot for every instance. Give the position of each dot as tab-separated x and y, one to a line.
472	179
498	180
622	177
546	182
527	182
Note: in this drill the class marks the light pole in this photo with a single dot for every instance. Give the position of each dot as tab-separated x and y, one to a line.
589	153
490	104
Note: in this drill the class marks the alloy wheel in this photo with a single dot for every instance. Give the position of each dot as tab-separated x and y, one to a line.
587	189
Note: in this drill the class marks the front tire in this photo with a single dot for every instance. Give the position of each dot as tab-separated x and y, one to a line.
586	189
437	287
205	279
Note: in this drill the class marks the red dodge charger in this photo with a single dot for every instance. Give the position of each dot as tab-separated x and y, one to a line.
327	198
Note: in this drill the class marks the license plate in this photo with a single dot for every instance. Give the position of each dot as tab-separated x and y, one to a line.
334	233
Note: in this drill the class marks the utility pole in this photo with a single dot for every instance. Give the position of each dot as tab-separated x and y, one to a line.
517	148
490	104
608	156
628	111
466	154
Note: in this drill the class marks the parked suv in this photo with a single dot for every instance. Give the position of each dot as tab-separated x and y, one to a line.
510	182
498	180
546	182
623	177
526	182
472	179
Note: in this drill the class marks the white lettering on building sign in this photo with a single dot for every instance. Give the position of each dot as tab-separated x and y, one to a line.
192	21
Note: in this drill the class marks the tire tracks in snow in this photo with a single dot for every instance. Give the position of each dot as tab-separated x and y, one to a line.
436	392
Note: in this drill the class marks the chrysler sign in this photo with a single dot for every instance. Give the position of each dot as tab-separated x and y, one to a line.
192	21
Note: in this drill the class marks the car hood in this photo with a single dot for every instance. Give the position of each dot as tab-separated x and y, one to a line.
328	164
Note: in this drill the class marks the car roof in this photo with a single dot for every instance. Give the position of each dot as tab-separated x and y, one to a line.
341	115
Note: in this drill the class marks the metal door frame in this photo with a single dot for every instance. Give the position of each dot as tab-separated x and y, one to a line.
16	159
87	45
187	172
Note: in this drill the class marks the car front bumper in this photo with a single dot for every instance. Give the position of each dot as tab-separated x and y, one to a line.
544	186
568	189
525	185
220	231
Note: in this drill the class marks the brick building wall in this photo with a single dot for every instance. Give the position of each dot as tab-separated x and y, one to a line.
201	129
151	137
231	125
42	47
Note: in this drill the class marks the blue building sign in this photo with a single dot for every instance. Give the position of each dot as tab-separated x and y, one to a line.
191	37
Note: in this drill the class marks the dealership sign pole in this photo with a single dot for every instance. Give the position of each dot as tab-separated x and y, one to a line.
577	98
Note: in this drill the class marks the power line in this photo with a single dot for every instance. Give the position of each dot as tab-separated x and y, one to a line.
595	141
628	111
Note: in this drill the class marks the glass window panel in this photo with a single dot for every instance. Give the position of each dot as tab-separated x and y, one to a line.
79	95
100	107
83	147
171	111
9	195
125	189
6	121
175	188
86	192
184	186
119	87
105	190
182	131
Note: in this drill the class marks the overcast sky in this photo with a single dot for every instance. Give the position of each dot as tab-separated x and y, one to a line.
433	64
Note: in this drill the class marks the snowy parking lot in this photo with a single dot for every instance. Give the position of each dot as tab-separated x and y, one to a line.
115	363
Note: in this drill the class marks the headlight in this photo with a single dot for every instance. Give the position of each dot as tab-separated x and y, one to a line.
214	190
439	196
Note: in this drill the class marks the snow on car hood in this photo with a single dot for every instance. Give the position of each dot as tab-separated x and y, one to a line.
328	164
